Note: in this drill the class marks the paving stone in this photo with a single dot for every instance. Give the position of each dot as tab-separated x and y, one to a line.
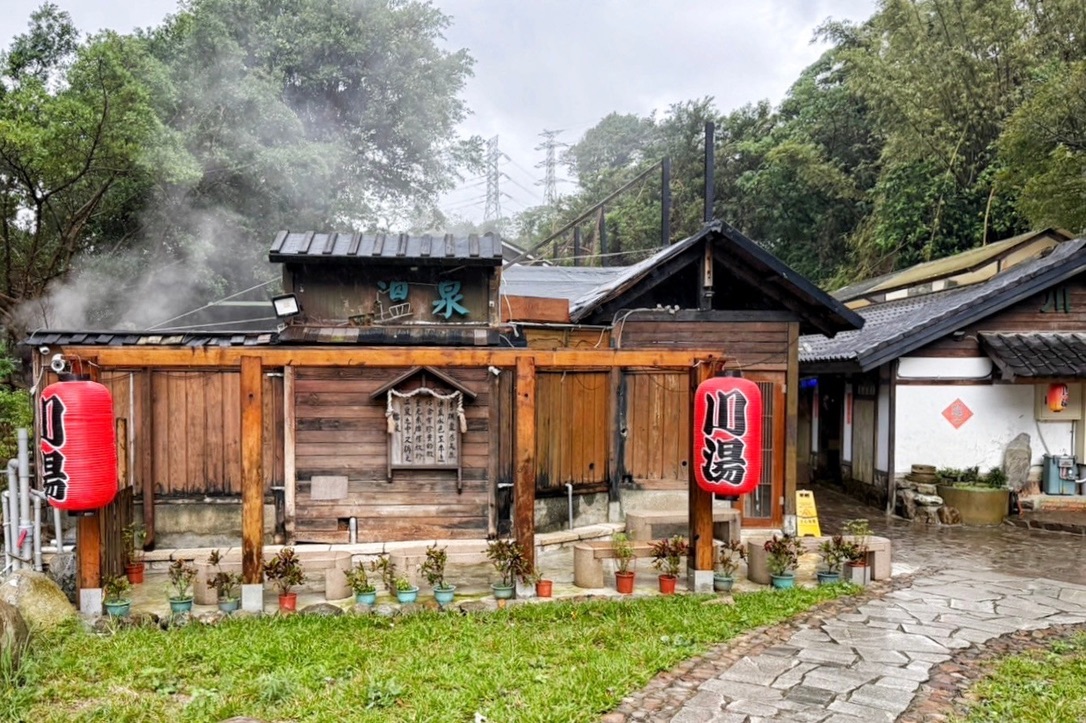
878	696
863	712
913	671
695	715
757	670
985	608
881	655
810	695
735	690
753	708
828	655
899	683
929	657
794	675
706	699
839	681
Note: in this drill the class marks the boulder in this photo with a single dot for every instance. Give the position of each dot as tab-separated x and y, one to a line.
949	515
908	504
929	501
322	609
927	490
928	515
1016	461
384	610
62	572
40	600
13	633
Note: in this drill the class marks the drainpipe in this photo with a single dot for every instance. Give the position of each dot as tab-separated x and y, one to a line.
37	534
58	525
10	515
569	493
25	526
352	530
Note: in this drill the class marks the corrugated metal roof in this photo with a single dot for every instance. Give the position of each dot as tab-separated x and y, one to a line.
313	247
148	338
556	282
894	328
1037	354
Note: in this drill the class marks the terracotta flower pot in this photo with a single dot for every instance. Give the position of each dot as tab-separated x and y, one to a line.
544	588
134	572
667	584
288	602
624	582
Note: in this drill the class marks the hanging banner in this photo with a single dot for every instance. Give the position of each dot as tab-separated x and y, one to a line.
728	435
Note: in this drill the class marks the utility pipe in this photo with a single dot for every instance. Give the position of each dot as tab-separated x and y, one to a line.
25	527
58	527
352	530
37	534
10	515
9	561
569	492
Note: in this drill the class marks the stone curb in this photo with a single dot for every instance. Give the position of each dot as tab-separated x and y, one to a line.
948	693
663	697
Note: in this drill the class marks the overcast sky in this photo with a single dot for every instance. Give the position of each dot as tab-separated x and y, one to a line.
564	64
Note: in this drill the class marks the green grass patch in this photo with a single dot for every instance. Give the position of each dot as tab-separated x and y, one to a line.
557	661
1042	686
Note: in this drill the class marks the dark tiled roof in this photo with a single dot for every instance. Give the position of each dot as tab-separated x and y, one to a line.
894	328
148	338
1037	354
312	247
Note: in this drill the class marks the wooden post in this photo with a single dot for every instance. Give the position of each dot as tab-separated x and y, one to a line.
524	485
88	530
120	424
290	482
145	468
700	501
791	434
252	477
494	435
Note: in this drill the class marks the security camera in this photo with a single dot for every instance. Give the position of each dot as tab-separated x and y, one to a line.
44	350
57	364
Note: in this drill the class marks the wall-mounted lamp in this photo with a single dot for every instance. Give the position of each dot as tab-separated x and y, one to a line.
286	305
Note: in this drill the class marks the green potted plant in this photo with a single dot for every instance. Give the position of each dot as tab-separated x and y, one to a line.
857	571
727	562
509	561
285	571
405	591
364	591
181	576
782	556
115	599
544	587
132	538
623	551
385	568
227	585
834	552
667	556
433	569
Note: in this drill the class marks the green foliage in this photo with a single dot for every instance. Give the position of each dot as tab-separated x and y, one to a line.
834	552
181	576
386	569
358	580
15	413
285	570
782	554
623	551
114	588
509	561
584	658
433	567
668	553
728	555
227	585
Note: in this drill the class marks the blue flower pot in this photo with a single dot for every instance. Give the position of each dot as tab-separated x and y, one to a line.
503	592
180	605
723	583
118	609
828	578
407	596
787	581
445	595
230	605
366	598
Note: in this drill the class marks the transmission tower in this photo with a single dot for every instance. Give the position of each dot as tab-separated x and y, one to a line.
550	144
493	210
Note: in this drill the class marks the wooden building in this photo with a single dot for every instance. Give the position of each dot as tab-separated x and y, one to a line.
425	392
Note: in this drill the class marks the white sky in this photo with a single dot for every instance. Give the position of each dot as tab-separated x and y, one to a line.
564	64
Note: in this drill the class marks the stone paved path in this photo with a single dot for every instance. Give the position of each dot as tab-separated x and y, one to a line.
867	665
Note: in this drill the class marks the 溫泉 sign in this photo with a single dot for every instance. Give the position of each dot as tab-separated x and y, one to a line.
78	451
728	435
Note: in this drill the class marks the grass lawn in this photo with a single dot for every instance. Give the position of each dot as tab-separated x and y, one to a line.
560	661
1045	686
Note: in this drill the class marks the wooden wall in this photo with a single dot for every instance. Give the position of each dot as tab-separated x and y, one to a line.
748	345
186	429
657	451
573	430
340	430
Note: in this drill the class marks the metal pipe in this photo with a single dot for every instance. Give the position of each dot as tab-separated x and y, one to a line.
569	492
58	527
4	504
37	534
352	530
710	171
11	515
25	526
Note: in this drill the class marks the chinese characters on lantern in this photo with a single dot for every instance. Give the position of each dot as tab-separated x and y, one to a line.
54	478
728	435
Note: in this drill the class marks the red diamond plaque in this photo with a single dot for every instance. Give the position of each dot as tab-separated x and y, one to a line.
957	413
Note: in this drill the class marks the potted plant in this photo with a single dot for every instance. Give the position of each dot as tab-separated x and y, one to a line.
543	586
181	576
433	569
227	585
285	571
385	568
364	591
856	568
834	552
116	602
405	591
624	554
509	560
132	538
667	555
782	556
727	562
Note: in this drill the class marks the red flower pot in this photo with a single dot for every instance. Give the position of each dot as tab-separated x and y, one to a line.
624	582
667	584
544	588
134	573
288	602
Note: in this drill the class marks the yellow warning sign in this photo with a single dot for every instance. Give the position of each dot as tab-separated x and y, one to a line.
806	515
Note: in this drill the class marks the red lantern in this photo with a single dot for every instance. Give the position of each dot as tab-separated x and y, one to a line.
728	435
78	450
1057	397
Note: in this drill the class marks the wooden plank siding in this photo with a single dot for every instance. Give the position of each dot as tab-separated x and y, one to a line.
340	430
658	429
748	345
573	423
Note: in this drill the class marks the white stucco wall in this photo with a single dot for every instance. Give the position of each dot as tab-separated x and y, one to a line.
1000	413
882	442
846	425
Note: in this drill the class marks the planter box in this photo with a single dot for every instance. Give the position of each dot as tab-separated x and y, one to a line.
856	574
978	506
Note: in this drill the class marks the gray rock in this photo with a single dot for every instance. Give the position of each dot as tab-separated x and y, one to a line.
475	606
323	609
211	618
244	614
384	610
950	515
177	620
360	609
1016	461
13	633
927	515
926	490
40	600
929	500
908	504
62	572
905	484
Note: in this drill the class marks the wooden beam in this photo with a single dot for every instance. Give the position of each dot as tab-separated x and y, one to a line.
791	434
705	297
290	482
524	481
618	421
700	502
494	433
380	357
252	476
120	425
88	545
145	421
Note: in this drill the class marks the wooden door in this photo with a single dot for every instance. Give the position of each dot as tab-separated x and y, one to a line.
762	507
